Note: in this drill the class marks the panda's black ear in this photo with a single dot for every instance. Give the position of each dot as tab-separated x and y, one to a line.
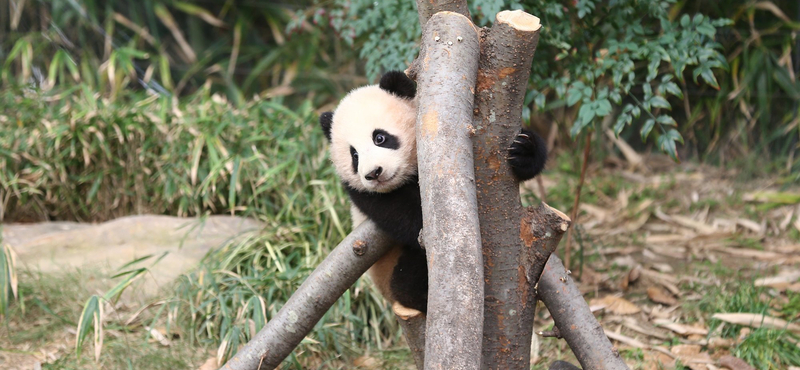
325	121
397	83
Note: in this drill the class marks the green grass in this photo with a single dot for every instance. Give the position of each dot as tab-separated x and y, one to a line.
50	304
762	347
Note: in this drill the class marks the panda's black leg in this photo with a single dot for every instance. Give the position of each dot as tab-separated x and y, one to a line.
409	282
527	155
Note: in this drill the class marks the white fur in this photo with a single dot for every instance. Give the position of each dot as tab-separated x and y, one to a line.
360	113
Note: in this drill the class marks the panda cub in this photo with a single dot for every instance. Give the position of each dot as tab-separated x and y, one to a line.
373	149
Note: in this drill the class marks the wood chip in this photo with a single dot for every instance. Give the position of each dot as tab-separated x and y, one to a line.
782	281
734	363
756	321
659	295
633	325
750	225
615	305
680	328
700	227
625	339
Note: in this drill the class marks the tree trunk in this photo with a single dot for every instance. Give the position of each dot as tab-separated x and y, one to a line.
506	54
343	266
450	232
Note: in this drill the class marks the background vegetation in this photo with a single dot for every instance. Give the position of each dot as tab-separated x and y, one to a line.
110	108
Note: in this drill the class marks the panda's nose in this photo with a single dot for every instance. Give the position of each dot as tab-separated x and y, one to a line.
374	174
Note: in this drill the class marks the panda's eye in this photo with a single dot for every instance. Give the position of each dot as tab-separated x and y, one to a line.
353	152
379	139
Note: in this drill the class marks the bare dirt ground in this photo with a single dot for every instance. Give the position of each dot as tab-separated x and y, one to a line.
672	262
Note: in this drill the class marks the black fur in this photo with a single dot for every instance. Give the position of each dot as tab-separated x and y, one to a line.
354	157
409	283
527	155
399	212
325	121
397	83
390	141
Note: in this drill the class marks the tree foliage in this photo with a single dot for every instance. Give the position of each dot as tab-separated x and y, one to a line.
597	56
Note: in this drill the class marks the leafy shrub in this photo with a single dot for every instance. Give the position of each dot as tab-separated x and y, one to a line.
78	157
592	54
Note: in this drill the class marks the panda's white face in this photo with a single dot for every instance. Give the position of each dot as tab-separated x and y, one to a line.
373	145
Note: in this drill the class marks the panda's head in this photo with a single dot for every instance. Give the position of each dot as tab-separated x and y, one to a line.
373	144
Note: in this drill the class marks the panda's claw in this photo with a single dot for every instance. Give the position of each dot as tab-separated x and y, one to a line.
525	136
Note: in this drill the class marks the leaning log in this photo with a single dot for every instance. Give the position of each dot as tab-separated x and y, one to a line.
338	272
575	321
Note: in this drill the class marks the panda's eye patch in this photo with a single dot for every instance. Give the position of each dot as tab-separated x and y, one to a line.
354	155
384	139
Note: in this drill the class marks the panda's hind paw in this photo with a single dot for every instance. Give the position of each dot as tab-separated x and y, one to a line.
527	155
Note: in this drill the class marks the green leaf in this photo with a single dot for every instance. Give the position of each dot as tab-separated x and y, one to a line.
666	120
709	77
114	293
659	102
672	89
603	107
573	97
685	20
648	126
667	144
622	120
91	316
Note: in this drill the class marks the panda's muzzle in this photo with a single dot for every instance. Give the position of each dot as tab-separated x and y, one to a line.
374	174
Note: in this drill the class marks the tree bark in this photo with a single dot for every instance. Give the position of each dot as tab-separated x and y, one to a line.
427	8
506	54
343	266
450	231
575	321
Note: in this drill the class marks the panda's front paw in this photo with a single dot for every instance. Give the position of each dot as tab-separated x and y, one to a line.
527	155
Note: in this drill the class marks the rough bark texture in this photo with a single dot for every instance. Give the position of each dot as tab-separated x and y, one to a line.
343	266
413	324
575	321
427	8
506	54
450	231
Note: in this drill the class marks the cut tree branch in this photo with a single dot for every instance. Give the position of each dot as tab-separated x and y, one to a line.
427	8
343	266
506	54
451	231
575	321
